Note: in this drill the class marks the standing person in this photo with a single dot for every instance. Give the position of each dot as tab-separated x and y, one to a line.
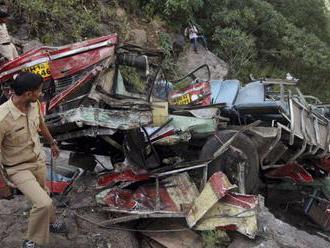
7	48
23	158
192	32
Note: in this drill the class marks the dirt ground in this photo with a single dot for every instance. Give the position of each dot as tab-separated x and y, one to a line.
82	234
13	223
275	233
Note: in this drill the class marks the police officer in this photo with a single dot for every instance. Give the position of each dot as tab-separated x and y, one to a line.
21	122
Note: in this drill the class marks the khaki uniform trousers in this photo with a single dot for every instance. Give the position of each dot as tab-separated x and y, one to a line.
30	179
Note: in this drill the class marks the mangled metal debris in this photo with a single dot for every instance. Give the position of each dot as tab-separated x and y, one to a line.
177	196
111	179
294	172
112	119
174	194
183	148
184	239
214	190
234	212
319	211
217	207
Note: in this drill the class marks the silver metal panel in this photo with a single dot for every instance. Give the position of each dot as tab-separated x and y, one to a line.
323	130
296	125
309	128
114	119
314	128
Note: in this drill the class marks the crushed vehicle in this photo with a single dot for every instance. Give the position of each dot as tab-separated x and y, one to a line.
210	141
291	142
87	89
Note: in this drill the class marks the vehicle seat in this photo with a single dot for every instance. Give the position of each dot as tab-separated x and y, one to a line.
224	91
251	100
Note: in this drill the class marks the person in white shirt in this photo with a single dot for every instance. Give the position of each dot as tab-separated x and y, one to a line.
192	32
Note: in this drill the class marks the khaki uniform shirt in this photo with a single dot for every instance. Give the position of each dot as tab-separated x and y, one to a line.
19	138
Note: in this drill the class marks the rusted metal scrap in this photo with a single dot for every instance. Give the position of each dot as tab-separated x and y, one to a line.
214	190
113	119
110	179
324	164
291	171
184	239
217	207
174	194
234	212
319	212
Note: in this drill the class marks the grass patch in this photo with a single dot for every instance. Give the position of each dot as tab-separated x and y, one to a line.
216	238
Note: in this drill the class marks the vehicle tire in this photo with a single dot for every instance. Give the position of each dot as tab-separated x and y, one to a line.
227	162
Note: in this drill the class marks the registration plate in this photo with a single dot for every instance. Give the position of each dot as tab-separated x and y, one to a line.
40	69
182	100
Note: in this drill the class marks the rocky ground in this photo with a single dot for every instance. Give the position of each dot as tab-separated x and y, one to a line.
278	234
13	223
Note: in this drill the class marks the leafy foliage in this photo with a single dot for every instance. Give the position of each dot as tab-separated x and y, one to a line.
310	15
235	47
177	11
265	42
262	37
68	19
215	238
168	64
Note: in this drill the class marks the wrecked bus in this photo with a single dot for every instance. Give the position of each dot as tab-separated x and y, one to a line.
99	98
106	98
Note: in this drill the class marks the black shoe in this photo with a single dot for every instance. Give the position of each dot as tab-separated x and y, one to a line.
29	244
58	227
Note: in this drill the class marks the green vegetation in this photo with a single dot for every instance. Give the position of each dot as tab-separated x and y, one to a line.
134	79
262	37
215	238
169	65
61	21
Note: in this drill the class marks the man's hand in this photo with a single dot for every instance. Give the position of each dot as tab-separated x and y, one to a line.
55	150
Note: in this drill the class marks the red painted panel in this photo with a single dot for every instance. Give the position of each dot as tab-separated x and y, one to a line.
220	184
324	164
197	93
45	52
57	187
71	89
240	200
144	198
112	178
72	64
231	227
293	171
113	38
20	62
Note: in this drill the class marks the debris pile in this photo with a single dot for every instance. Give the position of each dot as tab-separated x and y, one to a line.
194	150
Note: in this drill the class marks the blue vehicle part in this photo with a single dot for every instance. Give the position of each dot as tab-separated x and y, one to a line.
224	91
